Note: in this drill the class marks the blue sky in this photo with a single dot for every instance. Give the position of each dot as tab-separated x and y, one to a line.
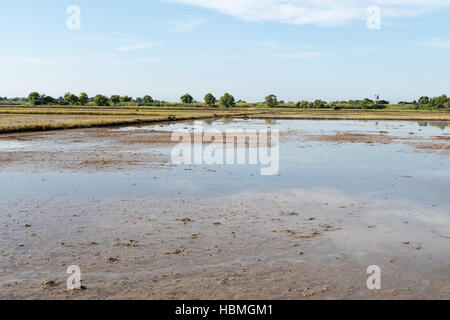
296	49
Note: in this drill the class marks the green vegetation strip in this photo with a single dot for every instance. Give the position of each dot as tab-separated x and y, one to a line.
44	125
43	119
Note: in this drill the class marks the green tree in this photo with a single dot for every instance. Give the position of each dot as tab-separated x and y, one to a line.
60	101
70	98
367	103
439	102
304	104
210	100
271	101
115	99
187	98
125	99
83	99
424	100
47	99
227	100
34	98
147	99
101	100
319	104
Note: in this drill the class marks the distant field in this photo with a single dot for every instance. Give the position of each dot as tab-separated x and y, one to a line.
323	114
21	119
30	118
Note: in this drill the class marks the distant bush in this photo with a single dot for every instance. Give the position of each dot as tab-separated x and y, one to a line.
34	98
101	100
272	101
125	99
227	100
114	99
83	99
303	104
210	100
438	103
187	98
147	100
70	98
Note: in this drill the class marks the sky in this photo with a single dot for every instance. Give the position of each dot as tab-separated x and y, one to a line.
295	49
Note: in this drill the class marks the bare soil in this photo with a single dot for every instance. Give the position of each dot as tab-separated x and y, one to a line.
253	245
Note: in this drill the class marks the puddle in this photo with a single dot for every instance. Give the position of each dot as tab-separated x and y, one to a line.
393	169
396	128
11	145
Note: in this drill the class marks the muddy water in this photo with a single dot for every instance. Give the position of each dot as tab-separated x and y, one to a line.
349	194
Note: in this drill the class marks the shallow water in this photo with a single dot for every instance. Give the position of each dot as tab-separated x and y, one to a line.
398	128
11	145
393	169
385	185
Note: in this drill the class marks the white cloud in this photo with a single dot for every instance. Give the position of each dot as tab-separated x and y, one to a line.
69	61
297	55
28	60
131	61
320	12
136	46
189	23
436	43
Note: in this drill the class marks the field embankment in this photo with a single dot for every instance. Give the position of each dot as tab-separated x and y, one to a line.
318	114
29	119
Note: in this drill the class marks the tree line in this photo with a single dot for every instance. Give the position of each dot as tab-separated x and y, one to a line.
228	101
426	103
35	99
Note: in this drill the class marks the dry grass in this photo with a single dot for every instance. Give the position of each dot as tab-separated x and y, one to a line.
28	125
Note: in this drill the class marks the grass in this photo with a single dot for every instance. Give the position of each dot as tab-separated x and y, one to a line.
24	123
352	114
28	118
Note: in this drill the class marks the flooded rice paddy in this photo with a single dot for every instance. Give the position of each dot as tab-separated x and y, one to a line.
348	194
